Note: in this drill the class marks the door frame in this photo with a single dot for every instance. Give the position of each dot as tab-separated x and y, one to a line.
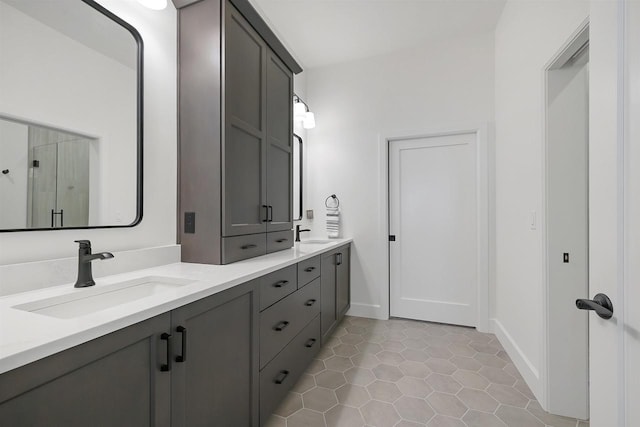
484	203
563	52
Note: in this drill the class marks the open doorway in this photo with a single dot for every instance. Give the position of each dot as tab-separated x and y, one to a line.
567	225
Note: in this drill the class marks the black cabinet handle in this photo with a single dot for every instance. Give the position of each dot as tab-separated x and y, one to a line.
167	337
281	377
248	246
266	212
310	302
310	343
339	258
309	269
280	284
281	240
270	213
601	304
183	357
280	326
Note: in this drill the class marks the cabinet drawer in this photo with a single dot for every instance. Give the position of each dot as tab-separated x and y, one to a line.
279	240
277	285
277	378
308	270
283	320
243	247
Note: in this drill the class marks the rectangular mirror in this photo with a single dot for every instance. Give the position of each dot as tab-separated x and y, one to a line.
70	116
297	178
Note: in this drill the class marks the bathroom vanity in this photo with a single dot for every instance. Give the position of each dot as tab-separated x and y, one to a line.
216	345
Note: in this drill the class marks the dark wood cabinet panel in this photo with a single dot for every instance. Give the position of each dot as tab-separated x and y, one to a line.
343	281
335	288
215	368
114	380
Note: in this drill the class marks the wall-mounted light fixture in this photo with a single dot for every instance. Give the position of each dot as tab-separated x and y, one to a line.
154	4
302	113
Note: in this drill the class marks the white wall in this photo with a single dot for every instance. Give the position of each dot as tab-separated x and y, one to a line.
14	152
443	83
528	35
158	30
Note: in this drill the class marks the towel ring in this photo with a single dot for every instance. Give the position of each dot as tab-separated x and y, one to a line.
335	199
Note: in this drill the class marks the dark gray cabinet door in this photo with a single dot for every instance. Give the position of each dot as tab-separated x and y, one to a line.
115	380
280	144
327	294
343	286
244	174
215	372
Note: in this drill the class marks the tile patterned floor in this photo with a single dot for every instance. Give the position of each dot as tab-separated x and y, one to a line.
403	373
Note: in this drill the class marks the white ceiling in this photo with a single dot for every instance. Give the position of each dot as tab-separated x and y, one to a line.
323	32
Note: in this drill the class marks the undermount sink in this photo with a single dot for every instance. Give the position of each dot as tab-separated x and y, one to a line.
315	242
90	300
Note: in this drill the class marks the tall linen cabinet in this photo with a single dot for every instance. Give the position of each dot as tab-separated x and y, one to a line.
236	134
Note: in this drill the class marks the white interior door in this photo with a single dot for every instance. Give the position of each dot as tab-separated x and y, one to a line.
433	216
614	344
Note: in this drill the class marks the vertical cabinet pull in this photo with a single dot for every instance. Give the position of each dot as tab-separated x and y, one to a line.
183	357
266	212
279	379
280	326
269	213
310	343
167	337
339	258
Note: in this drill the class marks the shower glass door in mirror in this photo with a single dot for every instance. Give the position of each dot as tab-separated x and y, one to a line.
70	116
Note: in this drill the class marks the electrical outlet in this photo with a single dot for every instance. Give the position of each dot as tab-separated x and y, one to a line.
310	214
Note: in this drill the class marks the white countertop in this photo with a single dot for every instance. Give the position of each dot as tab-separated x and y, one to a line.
26	337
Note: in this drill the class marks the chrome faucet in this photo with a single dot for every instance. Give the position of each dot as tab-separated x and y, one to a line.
298	231
85	275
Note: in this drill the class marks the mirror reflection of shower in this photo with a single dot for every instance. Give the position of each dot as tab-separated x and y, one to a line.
50	179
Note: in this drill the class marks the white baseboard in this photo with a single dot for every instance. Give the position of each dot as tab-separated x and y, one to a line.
367	310
524	365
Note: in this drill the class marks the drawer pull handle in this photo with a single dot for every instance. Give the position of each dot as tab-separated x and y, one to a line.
183	357
281	240
309	269
339	258
310	343
248	246
280	326
266	213
281	377
310	302
280	284
167	367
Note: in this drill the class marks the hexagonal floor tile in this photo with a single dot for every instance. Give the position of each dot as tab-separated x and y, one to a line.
471	379
444	383
384	391
415	355
305	383
352	395
461	349
352	339
497	376
290	405
414	343
439	352
466	363
482	419
330	379
359	376
447	404
517	417
414	369
380	414
346	350
369	347
390	357
306	418
444	421
477	399
319	399
338	363
508	395
392	345
276	421
490	360
441	366
414	387
414	409
365	360
315	367
387	372
339	416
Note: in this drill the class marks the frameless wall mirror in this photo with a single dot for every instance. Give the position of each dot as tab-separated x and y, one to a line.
297	178
70	116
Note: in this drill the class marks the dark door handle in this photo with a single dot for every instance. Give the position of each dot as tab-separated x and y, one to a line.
167	337
280	284
310	302
339	258
281	240
248	246
601	304
183	357
270	213
281	377
310	343
280	326
266	212
309	269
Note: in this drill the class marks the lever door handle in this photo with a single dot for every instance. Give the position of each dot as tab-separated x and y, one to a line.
601	304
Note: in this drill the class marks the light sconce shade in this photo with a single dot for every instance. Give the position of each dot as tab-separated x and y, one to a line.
299	111
309	121
154	4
